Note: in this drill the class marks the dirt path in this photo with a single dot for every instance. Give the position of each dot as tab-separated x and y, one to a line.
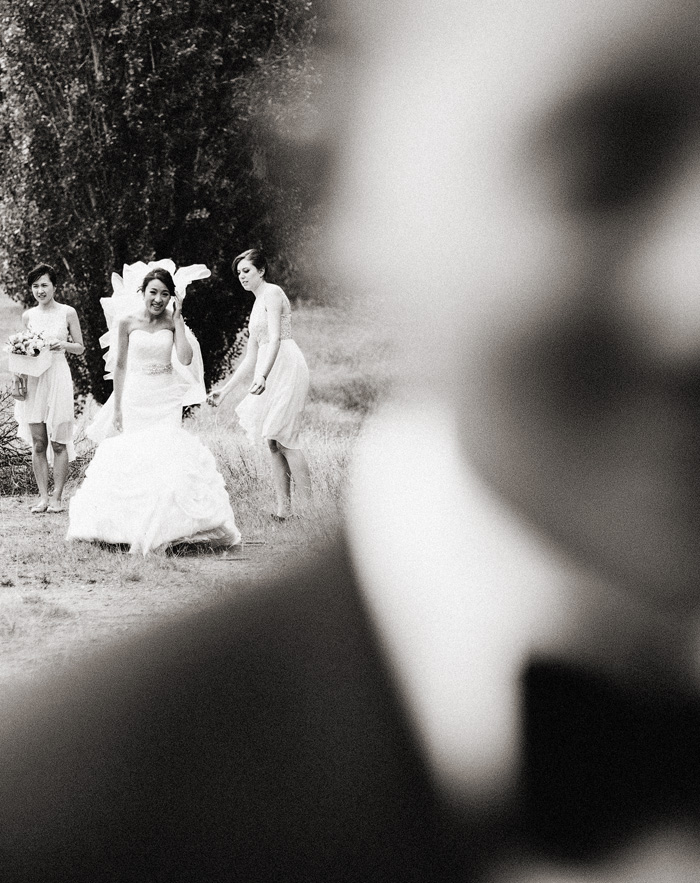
58	601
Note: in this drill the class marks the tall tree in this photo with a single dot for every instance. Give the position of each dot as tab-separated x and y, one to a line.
129	130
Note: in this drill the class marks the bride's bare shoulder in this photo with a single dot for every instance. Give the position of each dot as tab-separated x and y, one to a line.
129	323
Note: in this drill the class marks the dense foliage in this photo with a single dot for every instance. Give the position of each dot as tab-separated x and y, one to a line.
129	129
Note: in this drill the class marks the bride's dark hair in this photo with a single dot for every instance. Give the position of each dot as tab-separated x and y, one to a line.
162	276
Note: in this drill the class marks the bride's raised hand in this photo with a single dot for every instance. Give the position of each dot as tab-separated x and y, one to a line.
215	397
177	305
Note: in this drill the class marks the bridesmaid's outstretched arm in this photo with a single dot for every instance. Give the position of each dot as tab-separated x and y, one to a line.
243	370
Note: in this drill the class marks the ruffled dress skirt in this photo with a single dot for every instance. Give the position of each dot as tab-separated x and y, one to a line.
49	400
154	484
278	412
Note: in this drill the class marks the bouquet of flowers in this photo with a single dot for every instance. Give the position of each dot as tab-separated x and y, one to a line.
26	343
29	352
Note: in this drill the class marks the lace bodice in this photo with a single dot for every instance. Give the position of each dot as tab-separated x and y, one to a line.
53	323
257	327
150	352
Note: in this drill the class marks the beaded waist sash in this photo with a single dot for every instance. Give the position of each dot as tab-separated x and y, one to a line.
151	368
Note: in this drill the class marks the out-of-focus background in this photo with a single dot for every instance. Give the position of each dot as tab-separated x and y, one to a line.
140	131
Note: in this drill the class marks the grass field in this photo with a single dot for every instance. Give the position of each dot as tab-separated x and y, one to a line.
58	599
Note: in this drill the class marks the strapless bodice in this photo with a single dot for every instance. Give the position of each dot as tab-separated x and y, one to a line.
258	329
150	352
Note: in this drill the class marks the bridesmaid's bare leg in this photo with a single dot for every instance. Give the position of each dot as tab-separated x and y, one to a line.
40	464
299	469
60	472
281	480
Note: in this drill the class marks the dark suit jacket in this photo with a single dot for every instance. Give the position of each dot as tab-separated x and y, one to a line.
262	740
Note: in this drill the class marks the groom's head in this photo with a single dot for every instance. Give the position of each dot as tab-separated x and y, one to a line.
517	195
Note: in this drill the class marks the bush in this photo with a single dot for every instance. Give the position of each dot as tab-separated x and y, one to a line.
11	447
16	474
130	130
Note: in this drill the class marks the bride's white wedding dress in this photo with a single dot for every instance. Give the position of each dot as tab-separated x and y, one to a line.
155	483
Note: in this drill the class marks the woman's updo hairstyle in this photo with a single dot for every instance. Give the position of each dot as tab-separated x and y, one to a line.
42	270
255	256
162	276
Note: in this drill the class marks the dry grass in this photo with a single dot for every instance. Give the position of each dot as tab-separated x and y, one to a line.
57	599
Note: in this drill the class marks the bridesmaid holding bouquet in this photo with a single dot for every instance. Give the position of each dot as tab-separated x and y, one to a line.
44	406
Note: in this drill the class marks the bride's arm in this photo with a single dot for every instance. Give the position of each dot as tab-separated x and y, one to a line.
182	344
120	371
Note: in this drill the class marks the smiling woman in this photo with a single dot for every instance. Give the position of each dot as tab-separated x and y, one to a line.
44	410
152	483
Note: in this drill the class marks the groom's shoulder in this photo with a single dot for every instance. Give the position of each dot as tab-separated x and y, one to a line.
295	620
248	735
291	605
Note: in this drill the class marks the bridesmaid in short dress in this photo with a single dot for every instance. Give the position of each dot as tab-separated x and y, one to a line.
45	415
273	408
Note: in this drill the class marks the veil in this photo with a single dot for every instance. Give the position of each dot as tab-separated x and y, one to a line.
125	300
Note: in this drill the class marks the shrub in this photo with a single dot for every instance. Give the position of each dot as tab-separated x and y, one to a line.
130	130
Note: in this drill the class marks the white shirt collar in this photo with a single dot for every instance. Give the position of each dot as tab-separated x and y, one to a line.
459	587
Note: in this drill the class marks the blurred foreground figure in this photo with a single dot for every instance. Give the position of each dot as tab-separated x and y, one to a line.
493	674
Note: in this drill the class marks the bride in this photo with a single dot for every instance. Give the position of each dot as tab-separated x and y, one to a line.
151	483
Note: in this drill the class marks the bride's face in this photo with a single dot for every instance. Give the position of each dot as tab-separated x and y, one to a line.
156	297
